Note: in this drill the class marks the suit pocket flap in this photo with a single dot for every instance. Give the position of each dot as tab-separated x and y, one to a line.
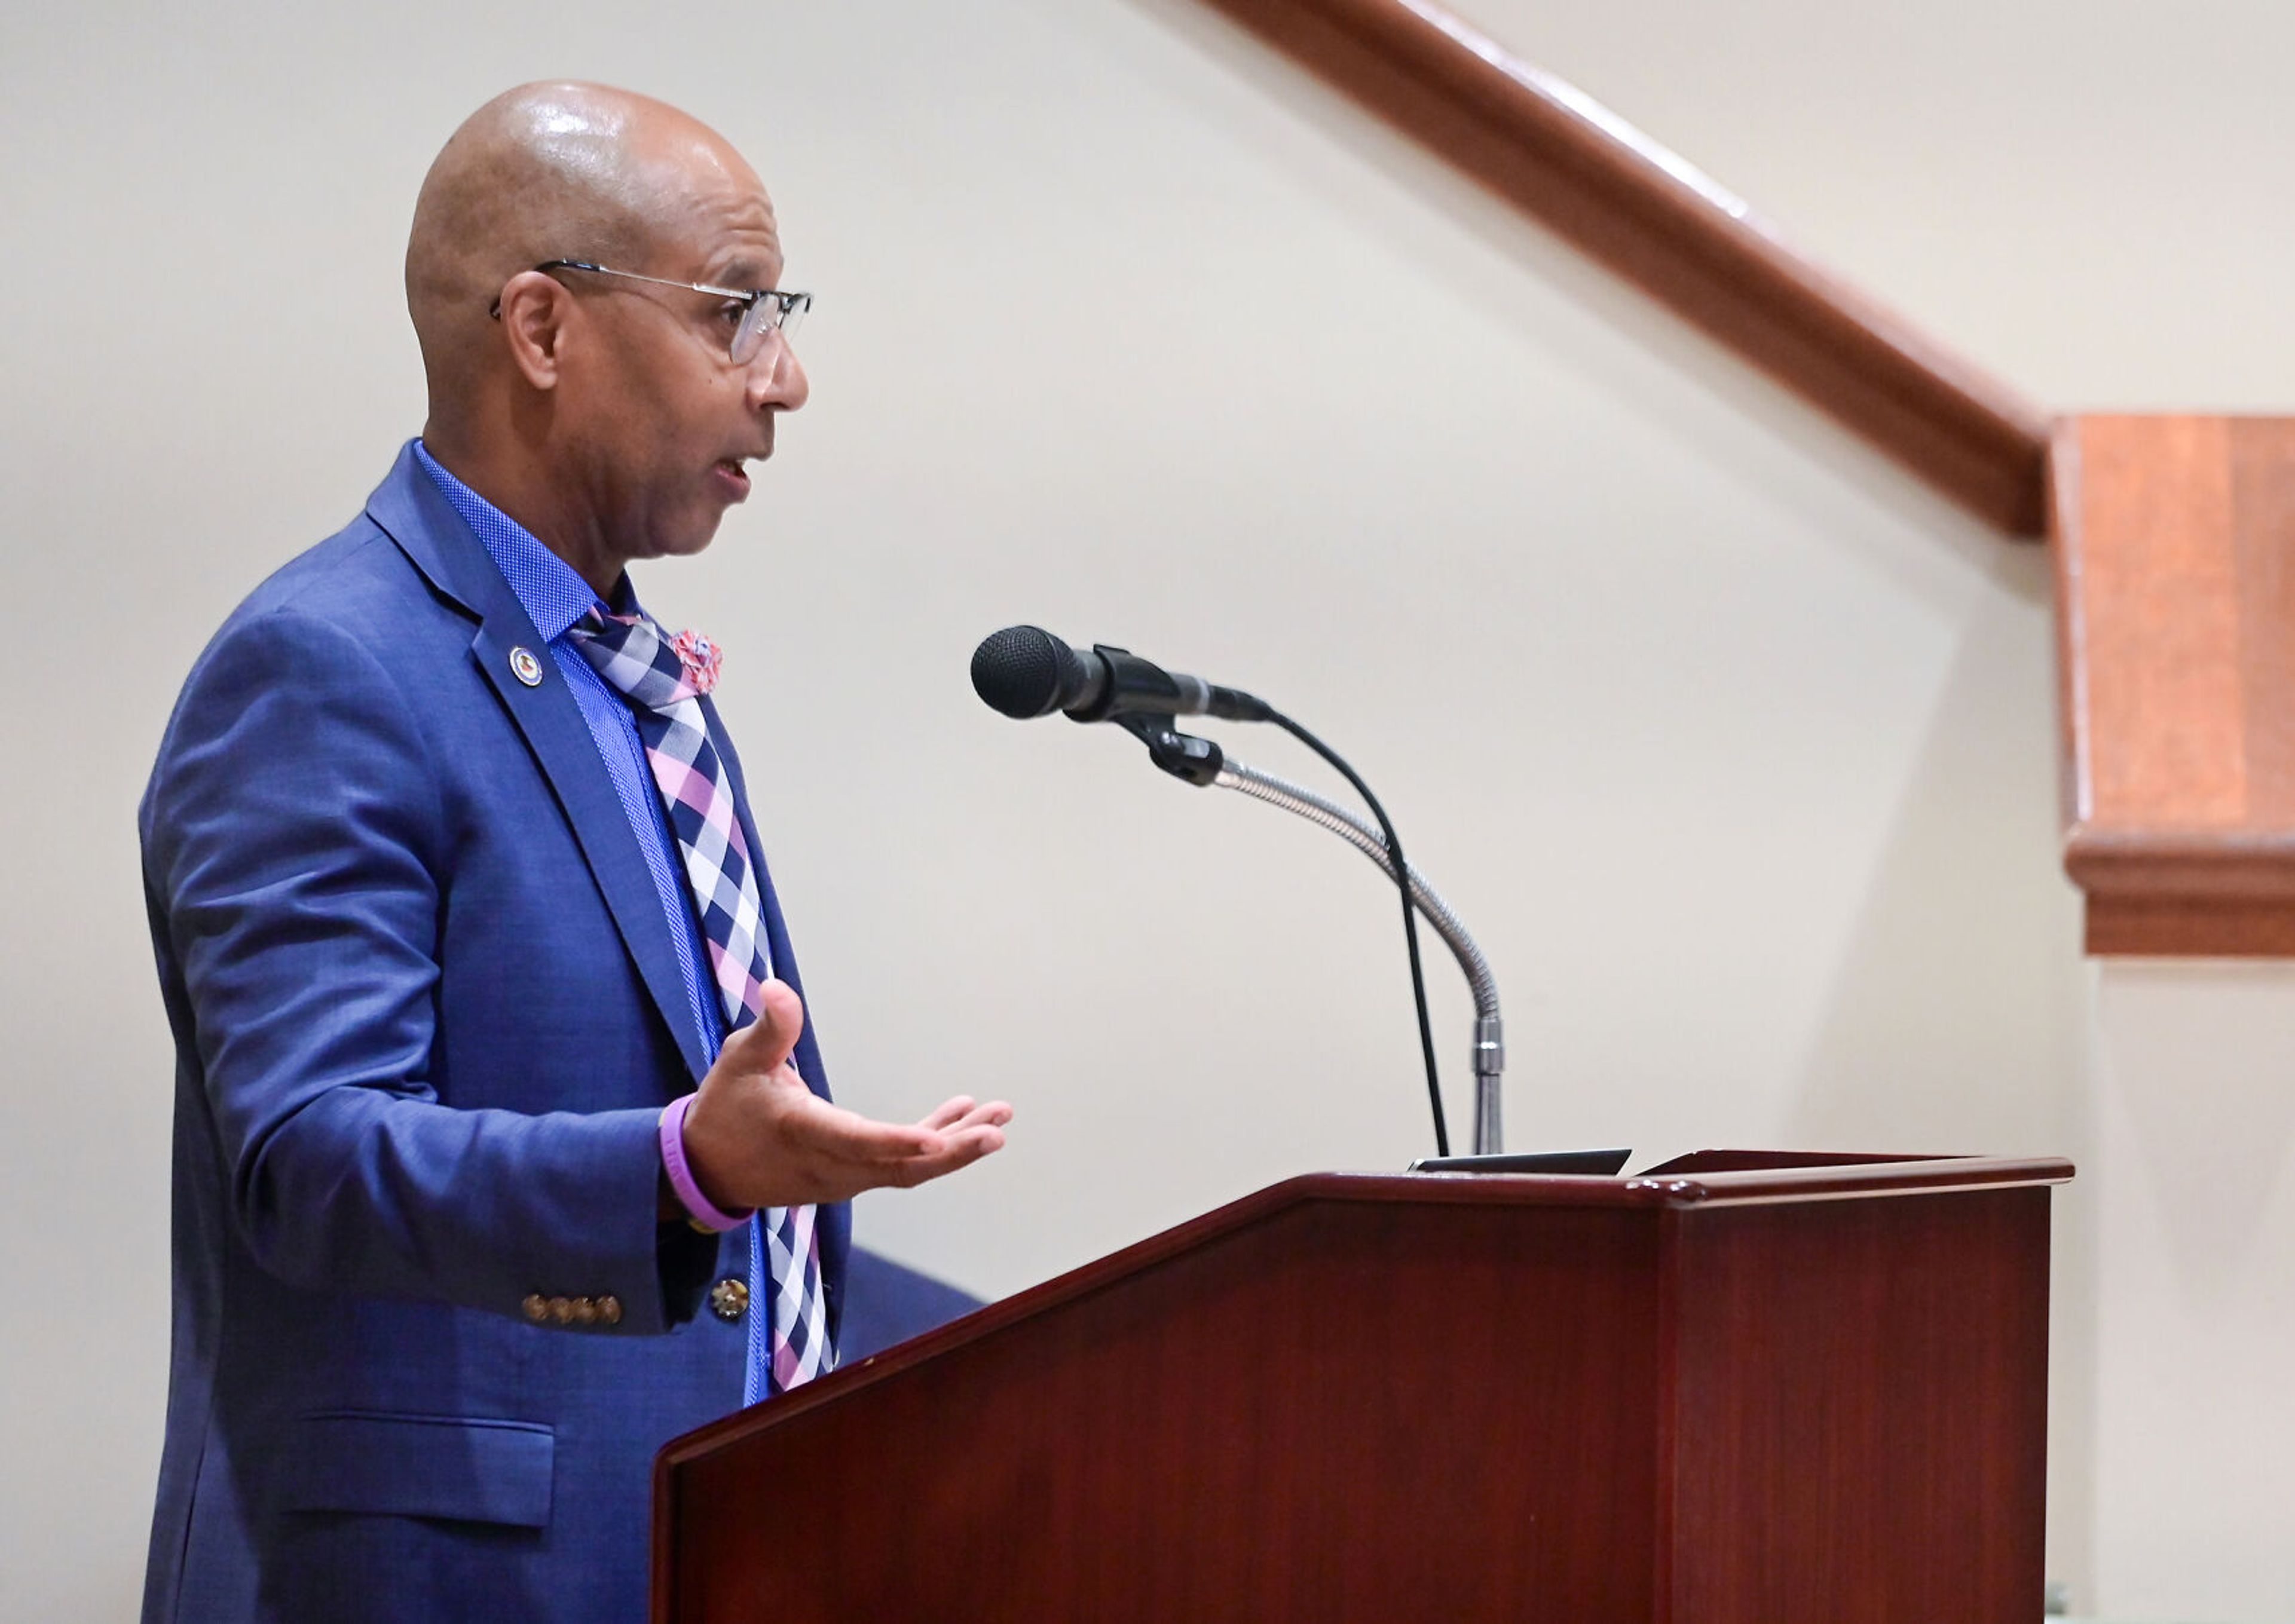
421	1466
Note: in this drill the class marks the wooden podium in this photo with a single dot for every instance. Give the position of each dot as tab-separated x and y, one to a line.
1745	1388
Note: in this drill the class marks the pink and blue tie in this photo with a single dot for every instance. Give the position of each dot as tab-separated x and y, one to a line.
664	679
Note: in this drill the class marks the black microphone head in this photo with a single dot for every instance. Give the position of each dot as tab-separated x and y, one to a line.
1024	670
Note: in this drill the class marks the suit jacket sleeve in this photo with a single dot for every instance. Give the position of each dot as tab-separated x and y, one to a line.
294	848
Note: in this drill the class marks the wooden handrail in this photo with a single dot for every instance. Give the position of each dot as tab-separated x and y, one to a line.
1652	218
2176	608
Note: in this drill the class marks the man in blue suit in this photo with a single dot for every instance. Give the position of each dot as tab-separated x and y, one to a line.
489	1035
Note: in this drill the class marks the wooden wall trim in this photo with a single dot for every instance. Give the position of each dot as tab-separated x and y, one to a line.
1654	220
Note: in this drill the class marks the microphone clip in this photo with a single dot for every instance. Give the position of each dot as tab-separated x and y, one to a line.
1183	755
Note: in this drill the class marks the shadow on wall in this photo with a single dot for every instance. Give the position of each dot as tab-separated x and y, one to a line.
1969	926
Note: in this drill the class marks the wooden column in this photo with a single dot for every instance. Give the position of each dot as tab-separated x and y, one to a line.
2175	550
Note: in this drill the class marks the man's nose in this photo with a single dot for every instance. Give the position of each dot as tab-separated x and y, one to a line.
777	378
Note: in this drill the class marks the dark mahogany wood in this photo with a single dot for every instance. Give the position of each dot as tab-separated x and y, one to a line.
1700	1397
2175	551
1647	216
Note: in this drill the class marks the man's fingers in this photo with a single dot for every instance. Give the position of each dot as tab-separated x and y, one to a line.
949	1112
831	1131
964	1112
834	1131
960	1149
875	1148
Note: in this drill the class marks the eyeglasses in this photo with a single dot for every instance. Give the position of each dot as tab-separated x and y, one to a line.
761	311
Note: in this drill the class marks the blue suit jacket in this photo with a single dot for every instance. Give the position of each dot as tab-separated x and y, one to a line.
427	1009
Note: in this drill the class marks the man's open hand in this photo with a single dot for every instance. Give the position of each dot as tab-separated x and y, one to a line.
756	1137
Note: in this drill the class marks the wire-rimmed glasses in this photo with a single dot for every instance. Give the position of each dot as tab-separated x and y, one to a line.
764	311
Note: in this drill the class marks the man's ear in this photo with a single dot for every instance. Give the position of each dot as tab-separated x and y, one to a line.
535	309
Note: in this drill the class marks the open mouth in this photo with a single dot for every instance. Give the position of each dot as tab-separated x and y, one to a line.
733	477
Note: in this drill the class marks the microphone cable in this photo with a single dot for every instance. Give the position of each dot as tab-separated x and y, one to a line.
1409	913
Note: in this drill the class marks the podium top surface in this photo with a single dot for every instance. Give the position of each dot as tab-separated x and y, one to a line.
1704	1178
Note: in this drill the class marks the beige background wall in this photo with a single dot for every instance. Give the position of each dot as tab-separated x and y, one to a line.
1734	746
2192	1161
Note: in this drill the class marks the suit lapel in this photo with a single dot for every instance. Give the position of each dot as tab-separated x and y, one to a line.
562	742
410	507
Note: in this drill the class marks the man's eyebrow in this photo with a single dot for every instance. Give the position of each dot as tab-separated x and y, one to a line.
743	273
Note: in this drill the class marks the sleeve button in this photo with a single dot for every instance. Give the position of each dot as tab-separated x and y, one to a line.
537	1308
609	1309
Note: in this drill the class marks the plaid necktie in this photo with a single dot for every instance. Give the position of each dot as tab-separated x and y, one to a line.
664	679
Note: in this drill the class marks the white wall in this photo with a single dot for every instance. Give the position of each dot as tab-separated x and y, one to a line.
1734	746
2194	1169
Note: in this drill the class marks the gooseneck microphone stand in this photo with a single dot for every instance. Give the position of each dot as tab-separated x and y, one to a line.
1489	1038
1200	762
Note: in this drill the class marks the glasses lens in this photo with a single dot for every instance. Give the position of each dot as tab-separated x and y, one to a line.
768	315
749	337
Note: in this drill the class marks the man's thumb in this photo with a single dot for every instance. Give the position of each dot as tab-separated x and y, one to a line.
768	1040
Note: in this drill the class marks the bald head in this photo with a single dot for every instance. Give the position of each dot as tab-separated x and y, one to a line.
548	171
613	410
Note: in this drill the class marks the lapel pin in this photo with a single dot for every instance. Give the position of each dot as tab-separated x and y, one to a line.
524	667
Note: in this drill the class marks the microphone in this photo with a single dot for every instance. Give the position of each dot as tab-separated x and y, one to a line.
1026	672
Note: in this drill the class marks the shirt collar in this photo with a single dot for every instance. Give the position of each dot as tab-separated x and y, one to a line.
547	588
